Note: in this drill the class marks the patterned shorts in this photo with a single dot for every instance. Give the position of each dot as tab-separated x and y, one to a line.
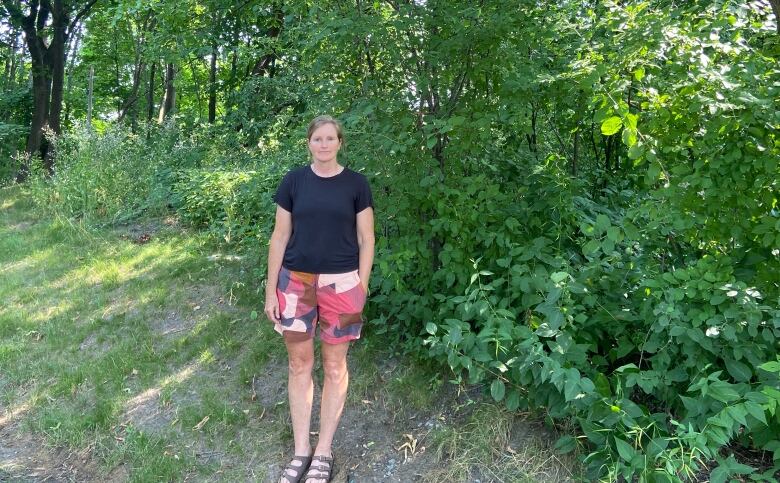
335	301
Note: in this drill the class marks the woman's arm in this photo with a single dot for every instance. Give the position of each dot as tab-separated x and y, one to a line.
276	248
365	236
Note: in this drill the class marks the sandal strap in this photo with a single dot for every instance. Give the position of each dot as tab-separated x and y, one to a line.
305	461
323	471
298	470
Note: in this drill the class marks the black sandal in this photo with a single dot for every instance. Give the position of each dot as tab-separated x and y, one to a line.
324	471
297	470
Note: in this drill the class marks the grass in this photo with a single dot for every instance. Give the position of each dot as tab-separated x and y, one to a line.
99	334
146	357
489	446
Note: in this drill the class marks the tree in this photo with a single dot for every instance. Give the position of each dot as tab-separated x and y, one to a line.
47	26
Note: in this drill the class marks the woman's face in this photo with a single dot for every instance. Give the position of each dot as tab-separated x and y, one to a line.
324	143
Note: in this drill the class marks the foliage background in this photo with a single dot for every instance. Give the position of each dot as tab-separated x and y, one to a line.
577	202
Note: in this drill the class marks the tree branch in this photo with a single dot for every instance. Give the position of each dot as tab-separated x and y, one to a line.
80	14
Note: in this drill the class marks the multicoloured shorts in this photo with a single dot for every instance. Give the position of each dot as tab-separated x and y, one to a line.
334	300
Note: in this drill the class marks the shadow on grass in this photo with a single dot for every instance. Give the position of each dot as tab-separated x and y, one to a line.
88	355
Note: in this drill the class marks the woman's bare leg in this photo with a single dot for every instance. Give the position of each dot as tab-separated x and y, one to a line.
334	393
300	391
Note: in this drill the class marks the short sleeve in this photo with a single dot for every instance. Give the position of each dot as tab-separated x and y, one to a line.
364	199
284	193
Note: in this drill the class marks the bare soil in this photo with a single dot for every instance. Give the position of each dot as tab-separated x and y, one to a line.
25	458
375	443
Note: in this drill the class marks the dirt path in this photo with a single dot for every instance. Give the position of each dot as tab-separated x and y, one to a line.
373	445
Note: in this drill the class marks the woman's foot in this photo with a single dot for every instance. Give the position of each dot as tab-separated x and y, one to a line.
295	469
320	469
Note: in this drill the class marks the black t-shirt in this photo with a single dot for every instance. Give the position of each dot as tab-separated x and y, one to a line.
324	222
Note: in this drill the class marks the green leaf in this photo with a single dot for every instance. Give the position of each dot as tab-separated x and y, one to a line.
738	413
457	120
657	446
430	328
723	391
771	366
719	475
253	315
630	121
565	444
639	73
624	449
629	137
591	247
497	389
653	172
636	151
729	467
738	370
632	232
756	411
558	277
602	385
602	222
513	399
611	125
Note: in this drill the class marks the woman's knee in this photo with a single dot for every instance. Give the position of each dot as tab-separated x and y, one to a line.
300	364
334	370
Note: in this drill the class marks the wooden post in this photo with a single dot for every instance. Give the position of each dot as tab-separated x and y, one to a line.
89	97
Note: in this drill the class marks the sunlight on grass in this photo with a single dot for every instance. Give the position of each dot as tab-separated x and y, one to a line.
7	204
154	392
16	412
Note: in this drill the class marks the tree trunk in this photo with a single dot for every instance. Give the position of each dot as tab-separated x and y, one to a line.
132	98
10	64
576	154
213	85
90	85
776	10
150	93
169	99
196	87
531	138
46	44
265	64
39	71
130	105
69	85
57	66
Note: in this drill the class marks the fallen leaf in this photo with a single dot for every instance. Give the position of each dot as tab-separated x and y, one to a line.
202	422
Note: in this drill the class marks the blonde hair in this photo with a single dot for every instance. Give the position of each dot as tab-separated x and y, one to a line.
320	121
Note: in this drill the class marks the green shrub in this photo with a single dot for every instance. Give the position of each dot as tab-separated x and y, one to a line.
232	205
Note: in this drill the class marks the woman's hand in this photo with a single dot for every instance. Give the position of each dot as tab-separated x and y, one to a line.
272	310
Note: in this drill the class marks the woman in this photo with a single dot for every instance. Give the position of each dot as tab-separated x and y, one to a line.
319	262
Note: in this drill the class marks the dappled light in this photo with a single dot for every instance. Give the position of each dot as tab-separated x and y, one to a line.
151	395
12	414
